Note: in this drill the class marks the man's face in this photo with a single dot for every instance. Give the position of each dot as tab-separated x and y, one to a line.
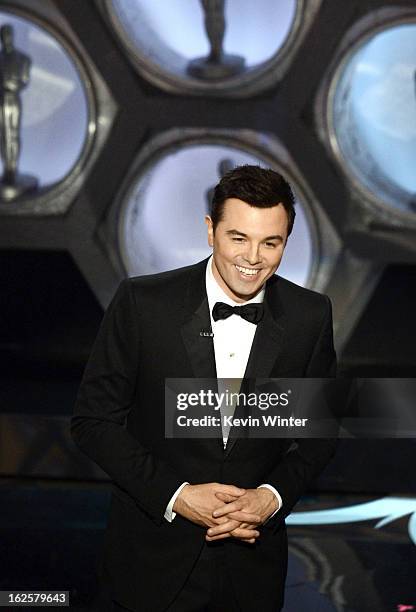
248	245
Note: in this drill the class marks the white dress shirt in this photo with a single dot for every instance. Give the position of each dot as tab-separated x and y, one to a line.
233	338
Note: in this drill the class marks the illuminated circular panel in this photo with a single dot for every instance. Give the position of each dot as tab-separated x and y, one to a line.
372	116
54	105
162	37
161	222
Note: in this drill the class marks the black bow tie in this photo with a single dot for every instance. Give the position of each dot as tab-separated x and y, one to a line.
250	312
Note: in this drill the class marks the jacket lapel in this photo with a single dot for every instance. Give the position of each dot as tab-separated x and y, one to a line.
197	322
267	344
195	332
200	348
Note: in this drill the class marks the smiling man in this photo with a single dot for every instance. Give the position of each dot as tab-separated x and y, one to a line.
245	253
200	524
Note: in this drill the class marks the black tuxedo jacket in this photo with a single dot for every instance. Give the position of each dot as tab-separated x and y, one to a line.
150	332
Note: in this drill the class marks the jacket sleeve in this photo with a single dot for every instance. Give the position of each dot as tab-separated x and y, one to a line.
307	457
105	397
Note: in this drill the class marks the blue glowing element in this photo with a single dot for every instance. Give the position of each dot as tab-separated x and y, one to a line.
374	115
54	105
388	509
256	30
162	219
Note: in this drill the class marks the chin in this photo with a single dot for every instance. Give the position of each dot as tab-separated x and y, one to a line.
246	292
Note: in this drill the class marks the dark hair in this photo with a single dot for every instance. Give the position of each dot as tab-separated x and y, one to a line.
260	187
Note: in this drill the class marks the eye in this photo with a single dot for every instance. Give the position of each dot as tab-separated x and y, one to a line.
271	245
237	239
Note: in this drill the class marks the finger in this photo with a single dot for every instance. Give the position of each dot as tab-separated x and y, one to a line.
234	506
223	528
248	540
211	522
247	526
238	533
225	520
245	533
220	520
225	497
230	490
241	515
221	536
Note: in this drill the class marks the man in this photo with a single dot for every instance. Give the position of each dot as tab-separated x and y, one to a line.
198	524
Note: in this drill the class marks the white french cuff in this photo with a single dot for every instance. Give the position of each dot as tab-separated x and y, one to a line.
279	499
169	513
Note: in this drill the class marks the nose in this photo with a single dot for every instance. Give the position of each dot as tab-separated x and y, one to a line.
252	255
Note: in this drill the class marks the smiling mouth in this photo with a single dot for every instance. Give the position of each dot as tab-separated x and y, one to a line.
247	271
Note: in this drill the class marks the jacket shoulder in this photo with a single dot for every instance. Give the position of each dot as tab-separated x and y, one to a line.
298	305
164	282
296	293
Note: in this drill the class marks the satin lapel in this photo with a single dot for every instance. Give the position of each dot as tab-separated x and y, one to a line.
200	348
267	344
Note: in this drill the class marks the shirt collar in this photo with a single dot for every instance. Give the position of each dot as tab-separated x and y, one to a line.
216	294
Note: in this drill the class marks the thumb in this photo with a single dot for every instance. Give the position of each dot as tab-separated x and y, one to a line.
230	490
225	497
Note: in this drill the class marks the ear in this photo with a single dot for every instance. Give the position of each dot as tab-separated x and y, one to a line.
210	227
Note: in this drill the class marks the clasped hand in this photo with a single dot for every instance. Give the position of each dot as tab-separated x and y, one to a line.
227	511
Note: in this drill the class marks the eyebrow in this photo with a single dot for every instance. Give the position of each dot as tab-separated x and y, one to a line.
235	232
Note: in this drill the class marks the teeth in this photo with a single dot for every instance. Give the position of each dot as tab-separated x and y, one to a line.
248	271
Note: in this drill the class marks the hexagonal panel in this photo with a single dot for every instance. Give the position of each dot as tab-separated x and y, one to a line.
160	209
368	102
63	83
162	38
55	90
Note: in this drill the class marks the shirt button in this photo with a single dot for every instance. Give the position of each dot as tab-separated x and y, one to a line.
232	354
